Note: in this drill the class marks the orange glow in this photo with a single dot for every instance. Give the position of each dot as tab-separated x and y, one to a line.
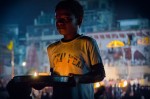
43	74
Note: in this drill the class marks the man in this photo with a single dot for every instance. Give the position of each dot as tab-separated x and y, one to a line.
74	54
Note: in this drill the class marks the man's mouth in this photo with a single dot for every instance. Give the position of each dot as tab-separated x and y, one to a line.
60	28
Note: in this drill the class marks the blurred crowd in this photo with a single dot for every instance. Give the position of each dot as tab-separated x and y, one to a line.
109	91
135	91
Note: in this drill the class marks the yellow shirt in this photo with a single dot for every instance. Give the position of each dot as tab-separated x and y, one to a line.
74	57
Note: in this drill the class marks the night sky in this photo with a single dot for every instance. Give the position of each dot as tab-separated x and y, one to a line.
132	8
23	12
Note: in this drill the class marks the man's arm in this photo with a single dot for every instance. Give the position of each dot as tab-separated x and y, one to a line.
97	74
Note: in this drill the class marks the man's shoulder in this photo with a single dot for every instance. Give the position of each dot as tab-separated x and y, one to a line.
53	44
87	38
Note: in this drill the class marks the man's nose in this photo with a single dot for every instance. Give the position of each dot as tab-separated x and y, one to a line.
60	21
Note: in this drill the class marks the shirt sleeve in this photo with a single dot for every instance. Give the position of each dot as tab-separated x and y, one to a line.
94	52
49	56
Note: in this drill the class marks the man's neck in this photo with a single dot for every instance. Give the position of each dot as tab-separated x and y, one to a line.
67	39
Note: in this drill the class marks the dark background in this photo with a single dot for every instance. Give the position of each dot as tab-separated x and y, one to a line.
23	12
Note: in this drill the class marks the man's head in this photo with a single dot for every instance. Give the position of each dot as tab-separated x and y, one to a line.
72	6
69	14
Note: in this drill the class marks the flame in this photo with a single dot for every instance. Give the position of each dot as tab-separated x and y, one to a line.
35	74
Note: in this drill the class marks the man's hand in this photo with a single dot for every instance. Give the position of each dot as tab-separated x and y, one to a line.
96	74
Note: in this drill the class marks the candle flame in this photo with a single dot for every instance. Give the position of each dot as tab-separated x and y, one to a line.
35	74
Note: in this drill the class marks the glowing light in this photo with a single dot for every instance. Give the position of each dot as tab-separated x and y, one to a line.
24	64
97	85
122	83
125	83
35	74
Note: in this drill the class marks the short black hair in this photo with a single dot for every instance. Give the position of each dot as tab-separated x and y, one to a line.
71	5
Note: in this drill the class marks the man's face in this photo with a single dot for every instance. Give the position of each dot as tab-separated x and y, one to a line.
65	22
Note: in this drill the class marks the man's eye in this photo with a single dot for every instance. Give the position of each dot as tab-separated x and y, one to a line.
66	20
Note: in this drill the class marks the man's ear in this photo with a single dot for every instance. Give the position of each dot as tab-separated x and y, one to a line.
79	21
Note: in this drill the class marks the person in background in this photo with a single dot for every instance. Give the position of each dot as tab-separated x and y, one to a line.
75	54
